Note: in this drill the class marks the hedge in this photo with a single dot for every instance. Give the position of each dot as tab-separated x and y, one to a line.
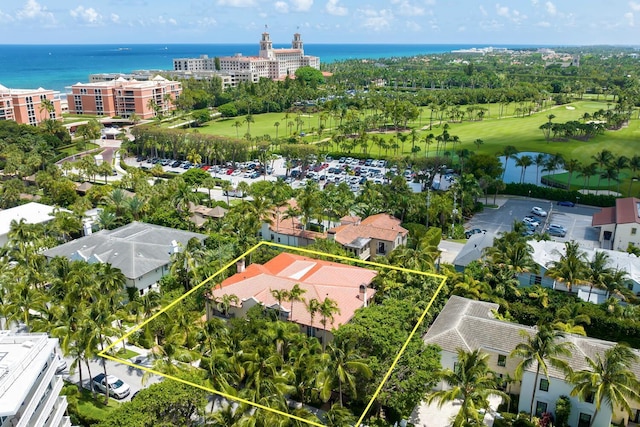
557	194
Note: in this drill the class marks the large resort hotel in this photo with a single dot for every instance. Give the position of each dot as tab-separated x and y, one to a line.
270	63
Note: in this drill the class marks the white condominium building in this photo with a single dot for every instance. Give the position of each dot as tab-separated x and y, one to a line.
29	386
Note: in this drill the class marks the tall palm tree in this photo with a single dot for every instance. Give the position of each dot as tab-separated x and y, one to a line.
598	273
523	162
295	294
609	380
539	160
571	166
508	152
470	381
571	268
327	309
541	350
634	165
587	171
344	364
602	158
620	163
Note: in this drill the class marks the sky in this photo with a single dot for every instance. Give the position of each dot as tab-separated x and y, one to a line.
537	22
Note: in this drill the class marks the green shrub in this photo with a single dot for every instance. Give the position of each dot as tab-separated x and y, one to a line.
558	194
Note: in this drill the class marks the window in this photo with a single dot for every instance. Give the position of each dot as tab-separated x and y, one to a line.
544	384
541	408
584	420
502	360
589	398
634	231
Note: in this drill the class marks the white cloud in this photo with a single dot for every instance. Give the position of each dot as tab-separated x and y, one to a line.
462	29
207	22
87	16
404	8
513	15
163	21
34	10
551	8
376	20
630	19
534	2
543	24
5	18
430	2
502	10
301	5
634	6
491	25
413	26
237	3
333	8
483	11
115	18
281	7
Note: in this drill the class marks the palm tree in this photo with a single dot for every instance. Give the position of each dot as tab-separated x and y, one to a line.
295	294
523	162
609	380
587	172
542	348
327	309
620	163
634	165
539	160
602	158
571	268
470	381
280	295
508	152
571	166
313	307
342	368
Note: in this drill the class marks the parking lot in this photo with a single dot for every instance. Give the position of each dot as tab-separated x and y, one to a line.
576	220
354	172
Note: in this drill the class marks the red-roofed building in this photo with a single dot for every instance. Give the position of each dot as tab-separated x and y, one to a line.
375	235
619	225
347	285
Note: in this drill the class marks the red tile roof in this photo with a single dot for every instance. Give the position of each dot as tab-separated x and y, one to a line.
380	226
320	279
626	211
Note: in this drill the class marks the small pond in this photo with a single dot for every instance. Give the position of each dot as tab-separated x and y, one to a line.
513	172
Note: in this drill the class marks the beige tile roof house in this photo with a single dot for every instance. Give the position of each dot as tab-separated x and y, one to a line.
375	235
471	325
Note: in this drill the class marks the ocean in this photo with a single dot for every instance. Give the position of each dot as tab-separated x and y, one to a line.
58	67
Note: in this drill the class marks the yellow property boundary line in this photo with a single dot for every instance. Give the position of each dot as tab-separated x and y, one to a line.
104	354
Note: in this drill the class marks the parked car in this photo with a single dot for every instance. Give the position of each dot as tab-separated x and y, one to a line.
473	231
529	219
538	211
556	230
566	203
117	388
176	164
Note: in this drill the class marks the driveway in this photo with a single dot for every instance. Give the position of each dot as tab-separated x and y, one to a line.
576	219
431	415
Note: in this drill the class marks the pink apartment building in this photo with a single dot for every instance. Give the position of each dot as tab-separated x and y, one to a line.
122	97
26	106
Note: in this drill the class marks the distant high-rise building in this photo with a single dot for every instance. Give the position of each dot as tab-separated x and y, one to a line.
29	386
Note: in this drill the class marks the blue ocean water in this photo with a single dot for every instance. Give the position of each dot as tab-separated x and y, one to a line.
59	66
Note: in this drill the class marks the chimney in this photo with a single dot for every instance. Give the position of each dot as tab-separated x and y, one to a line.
363	294
240	266
86	228
175	248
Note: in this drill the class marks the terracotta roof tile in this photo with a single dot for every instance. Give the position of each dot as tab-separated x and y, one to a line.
626	211
320	279
380	226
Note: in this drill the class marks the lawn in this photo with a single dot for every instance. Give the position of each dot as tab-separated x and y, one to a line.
72	149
